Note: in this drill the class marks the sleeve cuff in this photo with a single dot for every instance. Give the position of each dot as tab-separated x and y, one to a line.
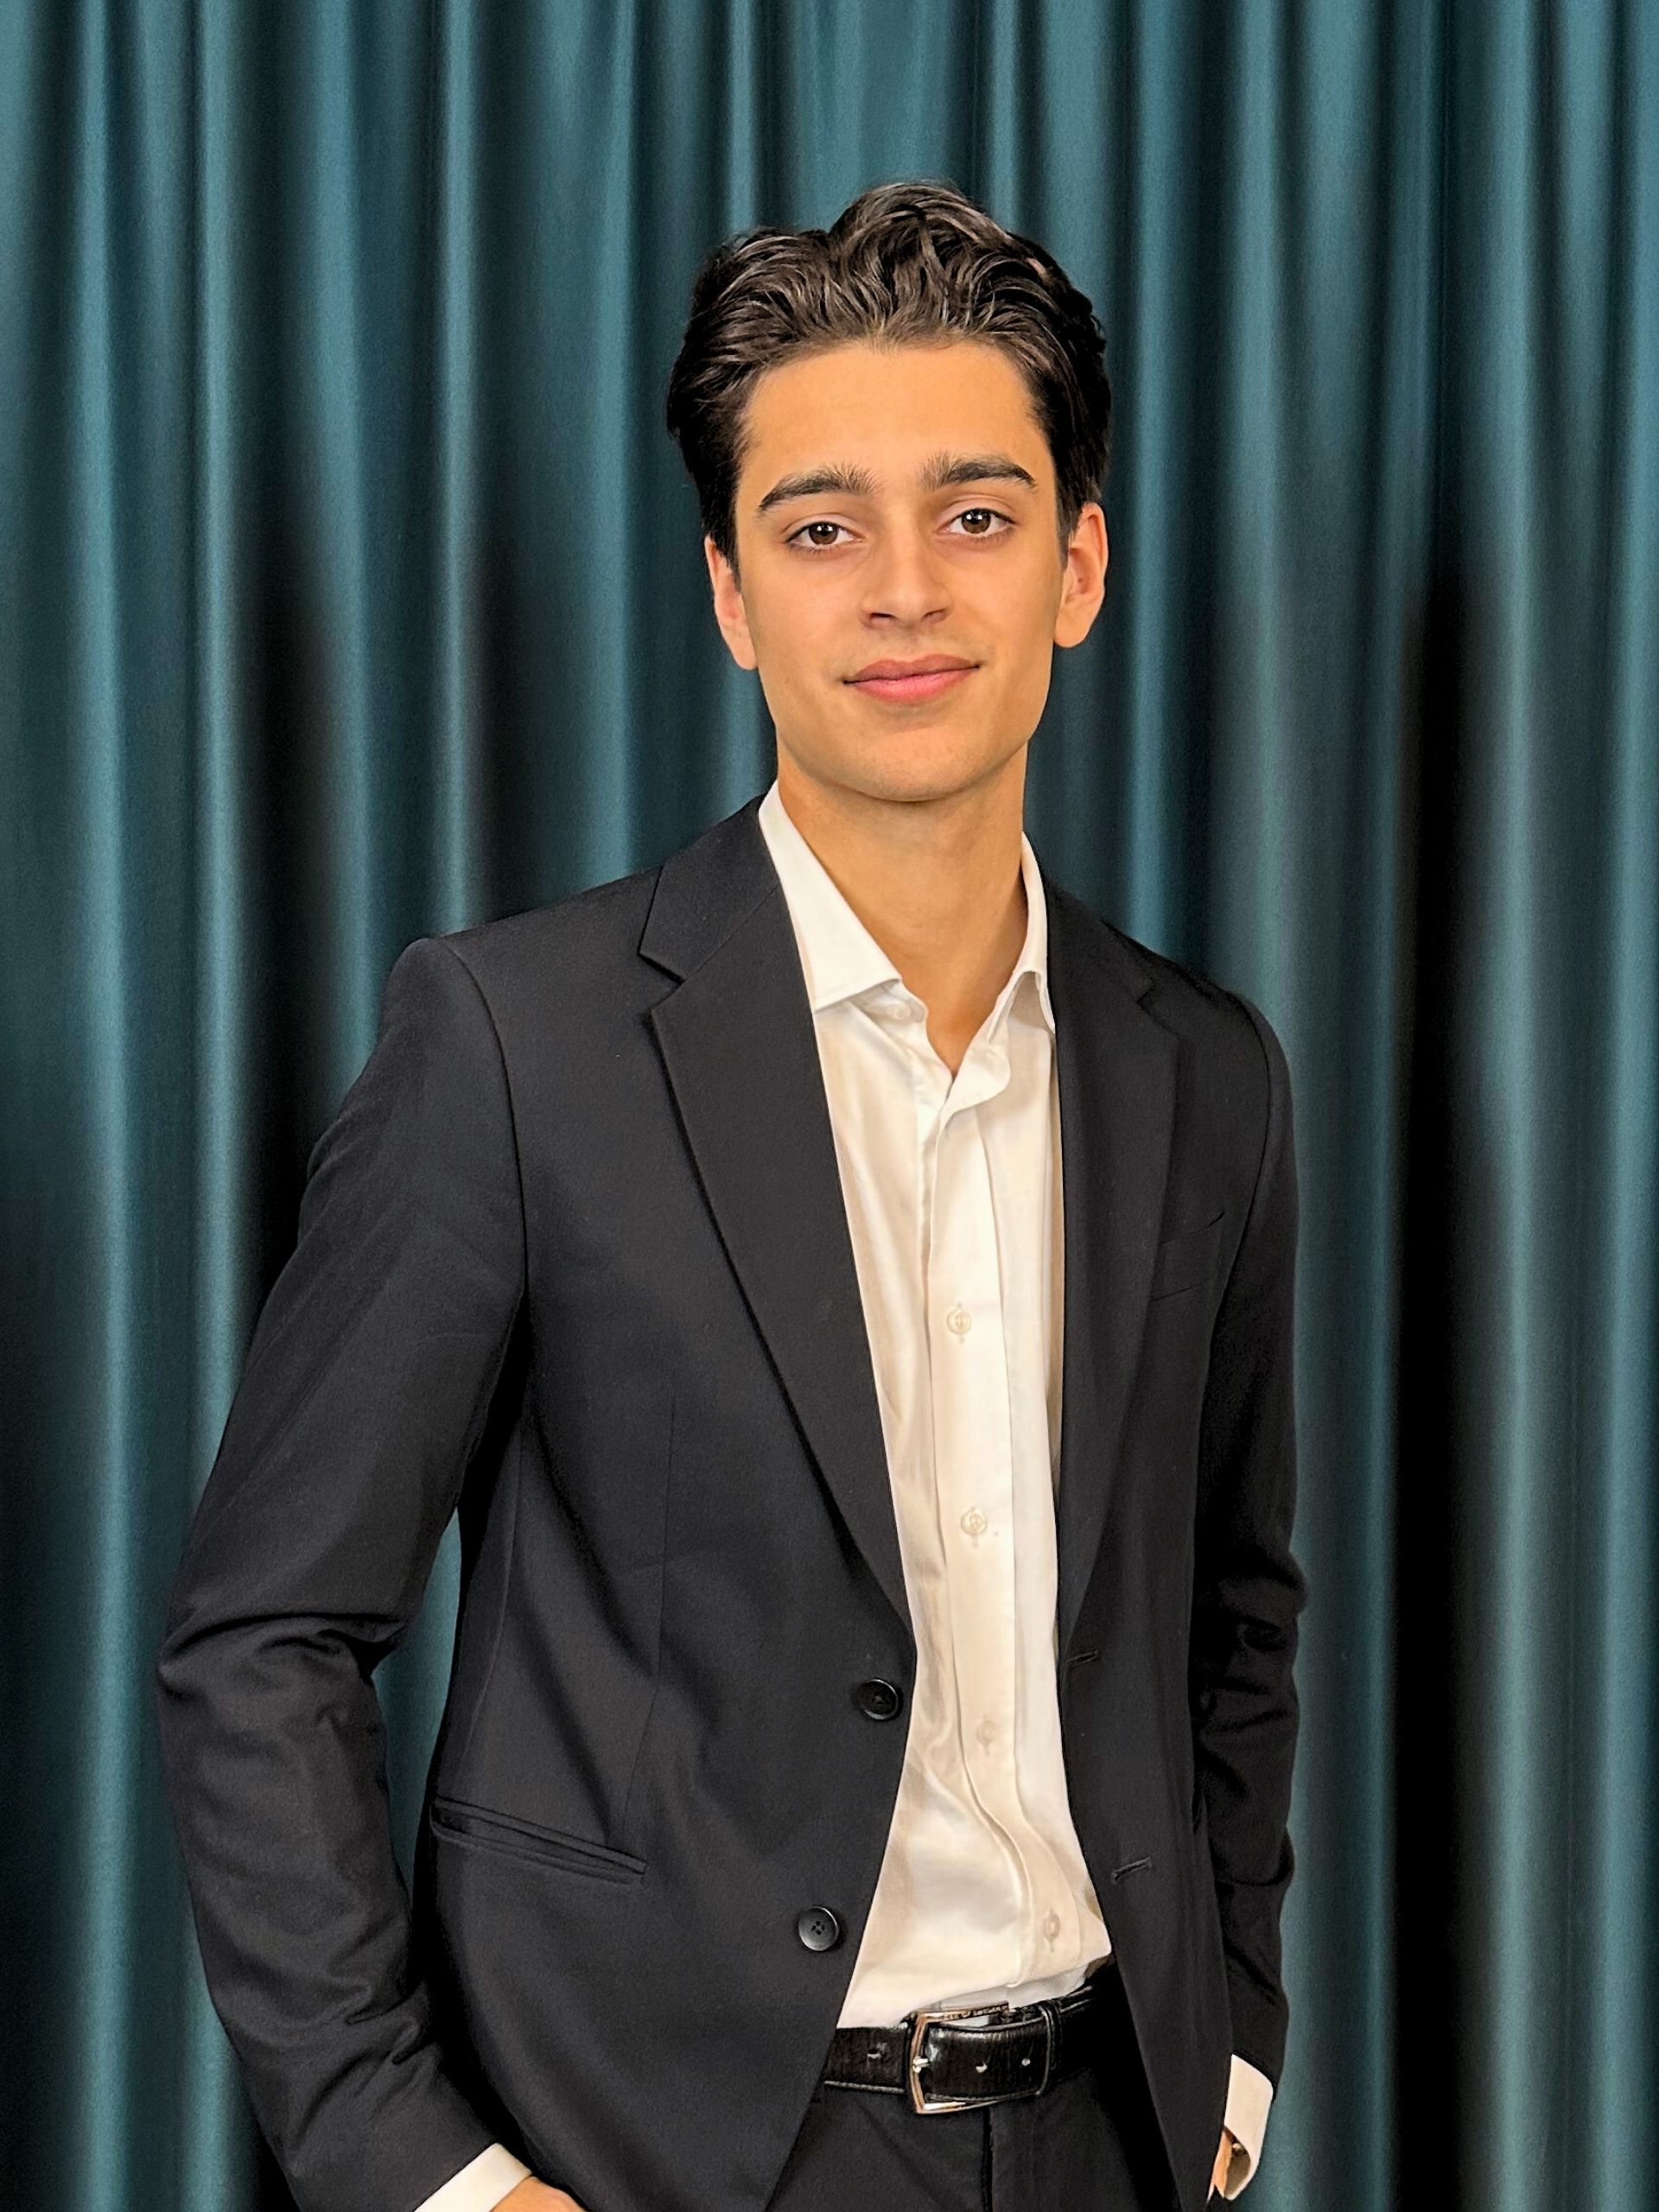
482	2183
1249	2094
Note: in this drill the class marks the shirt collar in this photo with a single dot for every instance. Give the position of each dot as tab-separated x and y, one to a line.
840	958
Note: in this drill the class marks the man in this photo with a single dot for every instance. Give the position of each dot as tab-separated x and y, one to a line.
845	1288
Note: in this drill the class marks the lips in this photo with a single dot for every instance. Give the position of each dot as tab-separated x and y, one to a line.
928	664
904	680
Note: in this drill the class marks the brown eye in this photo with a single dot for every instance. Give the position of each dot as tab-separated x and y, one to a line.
800	537
968	513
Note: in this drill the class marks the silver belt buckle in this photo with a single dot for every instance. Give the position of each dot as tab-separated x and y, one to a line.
920	2099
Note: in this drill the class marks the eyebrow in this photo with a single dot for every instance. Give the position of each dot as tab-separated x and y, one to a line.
942	470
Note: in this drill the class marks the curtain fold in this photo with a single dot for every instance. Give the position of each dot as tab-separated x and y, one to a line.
352	589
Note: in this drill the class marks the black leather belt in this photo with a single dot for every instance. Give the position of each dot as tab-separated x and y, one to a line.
954	2061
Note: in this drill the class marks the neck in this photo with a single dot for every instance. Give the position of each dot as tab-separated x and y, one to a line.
936	883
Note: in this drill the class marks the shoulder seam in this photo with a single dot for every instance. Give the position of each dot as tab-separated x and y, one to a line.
513	1118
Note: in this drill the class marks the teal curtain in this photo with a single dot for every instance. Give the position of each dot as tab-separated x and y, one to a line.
351	589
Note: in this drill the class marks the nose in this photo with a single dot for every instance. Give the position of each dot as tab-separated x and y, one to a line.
904	582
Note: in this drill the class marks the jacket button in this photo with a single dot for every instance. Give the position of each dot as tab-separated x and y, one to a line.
818	1929
879	1700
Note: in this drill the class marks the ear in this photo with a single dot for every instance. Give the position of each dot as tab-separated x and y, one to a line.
728	606
1083	586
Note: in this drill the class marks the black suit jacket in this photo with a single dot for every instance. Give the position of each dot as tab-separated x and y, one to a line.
573	1260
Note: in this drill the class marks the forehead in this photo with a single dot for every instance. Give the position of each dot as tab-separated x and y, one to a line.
887	407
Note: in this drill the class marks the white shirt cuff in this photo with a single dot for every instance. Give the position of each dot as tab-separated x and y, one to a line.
483	2181
1249	2094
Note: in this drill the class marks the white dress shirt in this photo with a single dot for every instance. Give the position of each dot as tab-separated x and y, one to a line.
952	1187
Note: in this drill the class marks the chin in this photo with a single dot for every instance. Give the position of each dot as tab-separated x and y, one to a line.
916	763
915	779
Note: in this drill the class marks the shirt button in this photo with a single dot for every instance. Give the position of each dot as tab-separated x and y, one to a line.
959	1320
1051	1926
986	1731
974	1522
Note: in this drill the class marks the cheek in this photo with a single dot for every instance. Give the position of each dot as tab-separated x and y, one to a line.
792	620
790	675
1018	612
1023	678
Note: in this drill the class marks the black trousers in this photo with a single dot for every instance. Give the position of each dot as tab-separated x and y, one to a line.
1091	2144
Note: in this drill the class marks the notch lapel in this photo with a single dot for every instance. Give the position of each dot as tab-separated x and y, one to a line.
741	1054
1117	1074
741	1051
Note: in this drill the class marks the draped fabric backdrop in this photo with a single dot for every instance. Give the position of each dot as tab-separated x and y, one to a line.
352	589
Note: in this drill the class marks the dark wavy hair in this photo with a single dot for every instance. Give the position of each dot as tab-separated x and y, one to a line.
913	263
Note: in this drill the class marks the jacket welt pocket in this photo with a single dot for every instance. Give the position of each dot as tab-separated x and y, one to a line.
511	1838
1187	1259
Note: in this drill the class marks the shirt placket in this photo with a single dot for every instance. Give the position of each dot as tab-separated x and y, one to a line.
973	1466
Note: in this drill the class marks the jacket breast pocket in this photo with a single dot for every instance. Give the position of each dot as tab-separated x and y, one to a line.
1187	1259
505	1836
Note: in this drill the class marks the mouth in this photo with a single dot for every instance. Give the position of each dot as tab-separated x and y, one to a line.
905	683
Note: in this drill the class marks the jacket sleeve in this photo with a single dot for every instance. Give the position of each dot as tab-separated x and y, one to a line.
366	1384
1249	1589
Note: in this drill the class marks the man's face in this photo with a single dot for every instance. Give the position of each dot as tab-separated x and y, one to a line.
852	552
